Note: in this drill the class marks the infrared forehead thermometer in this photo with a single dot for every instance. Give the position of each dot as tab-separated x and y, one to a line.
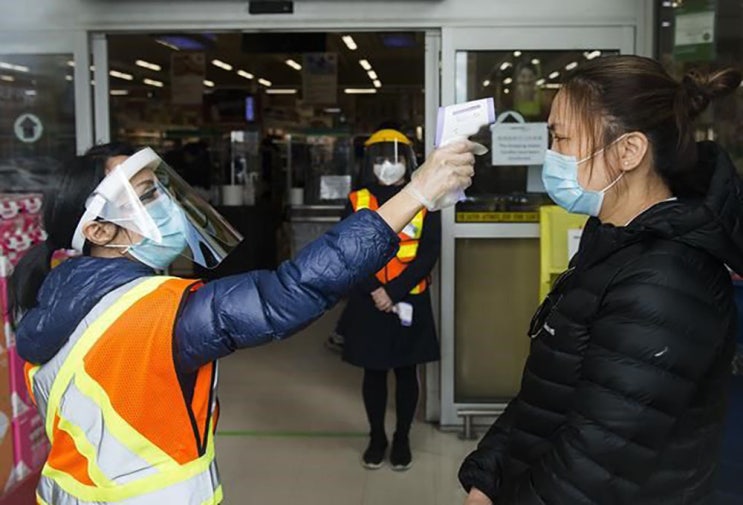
461	121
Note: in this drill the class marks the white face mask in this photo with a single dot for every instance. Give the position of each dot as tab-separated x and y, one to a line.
389	173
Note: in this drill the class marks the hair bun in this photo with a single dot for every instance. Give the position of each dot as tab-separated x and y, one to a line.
700	88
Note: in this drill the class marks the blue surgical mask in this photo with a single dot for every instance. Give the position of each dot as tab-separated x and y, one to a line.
172	223
560	177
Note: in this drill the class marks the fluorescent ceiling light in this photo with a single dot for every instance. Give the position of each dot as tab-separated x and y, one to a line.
281	91
486	83
365	64
167	44
377	83
553	86
350	43
506	65
540	82
571	65
30	92
372	75
149	66
7	78
119	92
517	53
208	84
68	78
294	64
152	82
360	91
593	54
121	75
333	110
10	66
247	75
70	63
554	75
535	61
507	80
506	91
265	82
222	65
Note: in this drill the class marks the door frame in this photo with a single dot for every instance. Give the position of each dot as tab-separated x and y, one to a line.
504	38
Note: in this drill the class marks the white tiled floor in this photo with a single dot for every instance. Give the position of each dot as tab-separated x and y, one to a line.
293	428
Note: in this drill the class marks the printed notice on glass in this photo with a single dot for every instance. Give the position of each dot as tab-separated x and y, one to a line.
335	187
519	143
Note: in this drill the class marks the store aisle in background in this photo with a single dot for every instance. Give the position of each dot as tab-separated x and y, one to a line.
293	428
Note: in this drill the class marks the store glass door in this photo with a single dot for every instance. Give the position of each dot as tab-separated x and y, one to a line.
491	255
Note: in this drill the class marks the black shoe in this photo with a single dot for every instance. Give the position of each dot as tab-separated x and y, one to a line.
334	343
400	457
374	454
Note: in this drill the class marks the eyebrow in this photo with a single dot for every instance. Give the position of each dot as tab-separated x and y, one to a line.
149	182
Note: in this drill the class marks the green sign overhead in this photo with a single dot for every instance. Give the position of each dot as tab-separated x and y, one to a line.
694	32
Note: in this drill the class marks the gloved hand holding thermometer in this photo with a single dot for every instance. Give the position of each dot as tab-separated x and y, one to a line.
456	123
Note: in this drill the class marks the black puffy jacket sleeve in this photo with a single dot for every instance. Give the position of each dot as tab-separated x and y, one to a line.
483	468
654	338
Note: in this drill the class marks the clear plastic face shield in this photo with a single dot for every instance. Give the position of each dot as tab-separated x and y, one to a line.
389	162
148	199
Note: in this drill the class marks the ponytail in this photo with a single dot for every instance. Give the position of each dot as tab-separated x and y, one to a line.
27	279
64	205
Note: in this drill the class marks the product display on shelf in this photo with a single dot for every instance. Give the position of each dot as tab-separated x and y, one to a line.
23	443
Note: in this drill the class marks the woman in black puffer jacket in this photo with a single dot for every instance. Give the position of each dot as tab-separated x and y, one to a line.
623	394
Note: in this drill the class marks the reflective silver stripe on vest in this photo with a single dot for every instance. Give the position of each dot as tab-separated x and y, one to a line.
117	463
45	376
195	491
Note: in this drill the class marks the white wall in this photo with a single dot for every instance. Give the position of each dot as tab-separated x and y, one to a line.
18	15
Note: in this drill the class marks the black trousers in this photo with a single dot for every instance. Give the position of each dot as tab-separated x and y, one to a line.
406	399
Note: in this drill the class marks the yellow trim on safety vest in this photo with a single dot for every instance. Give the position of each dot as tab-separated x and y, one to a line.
363	199
74	360
119	428
140	487
85	448
217	498
408	251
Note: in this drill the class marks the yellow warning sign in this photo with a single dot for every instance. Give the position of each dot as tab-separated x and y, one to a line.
497	217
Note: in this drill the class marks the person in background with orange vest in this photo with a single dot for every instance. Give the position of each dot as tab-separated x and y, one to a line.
122	361
388	323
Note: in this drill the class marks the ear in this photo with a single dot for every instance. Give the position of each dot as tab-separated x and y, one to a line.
632	151
100	233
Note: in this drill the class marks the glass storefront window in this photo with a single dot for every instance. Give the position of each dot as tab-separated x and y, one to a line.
524	82
704	34
37	119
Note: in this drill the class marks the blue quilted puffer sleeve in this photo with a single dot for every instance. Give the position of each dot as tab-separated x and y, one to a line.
254	308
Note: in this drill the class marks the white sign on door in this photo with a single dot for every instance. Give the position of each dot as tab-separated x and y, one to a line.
28	128
519	143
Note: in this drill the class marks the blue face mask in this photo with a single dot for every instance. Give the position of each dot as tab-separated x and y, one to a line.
172	224
560	177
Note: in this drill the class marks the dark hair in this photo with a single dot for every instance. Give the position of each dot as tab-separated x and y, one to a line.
619	94
63	207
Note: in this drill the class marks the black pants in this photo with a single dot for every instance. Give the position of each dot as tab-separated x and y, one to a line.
375	399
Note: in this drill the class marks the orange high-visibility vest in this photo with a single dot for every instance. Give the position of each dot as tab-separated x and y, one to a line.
409	241
120	426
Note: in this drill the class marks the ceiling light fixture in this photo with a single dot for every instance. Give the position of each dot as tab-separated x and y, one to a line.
571	65
68	78
119	92
265	82
294	64
554	75
365	65
372	75
516	54
350	43
10	66
506	91
377	83
360	91
121	75
222	65
507	80
281	91
208	83
153	82
168	45
506	65
247	75
7	78
535	61
149	66
541	82
486	83
593	54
